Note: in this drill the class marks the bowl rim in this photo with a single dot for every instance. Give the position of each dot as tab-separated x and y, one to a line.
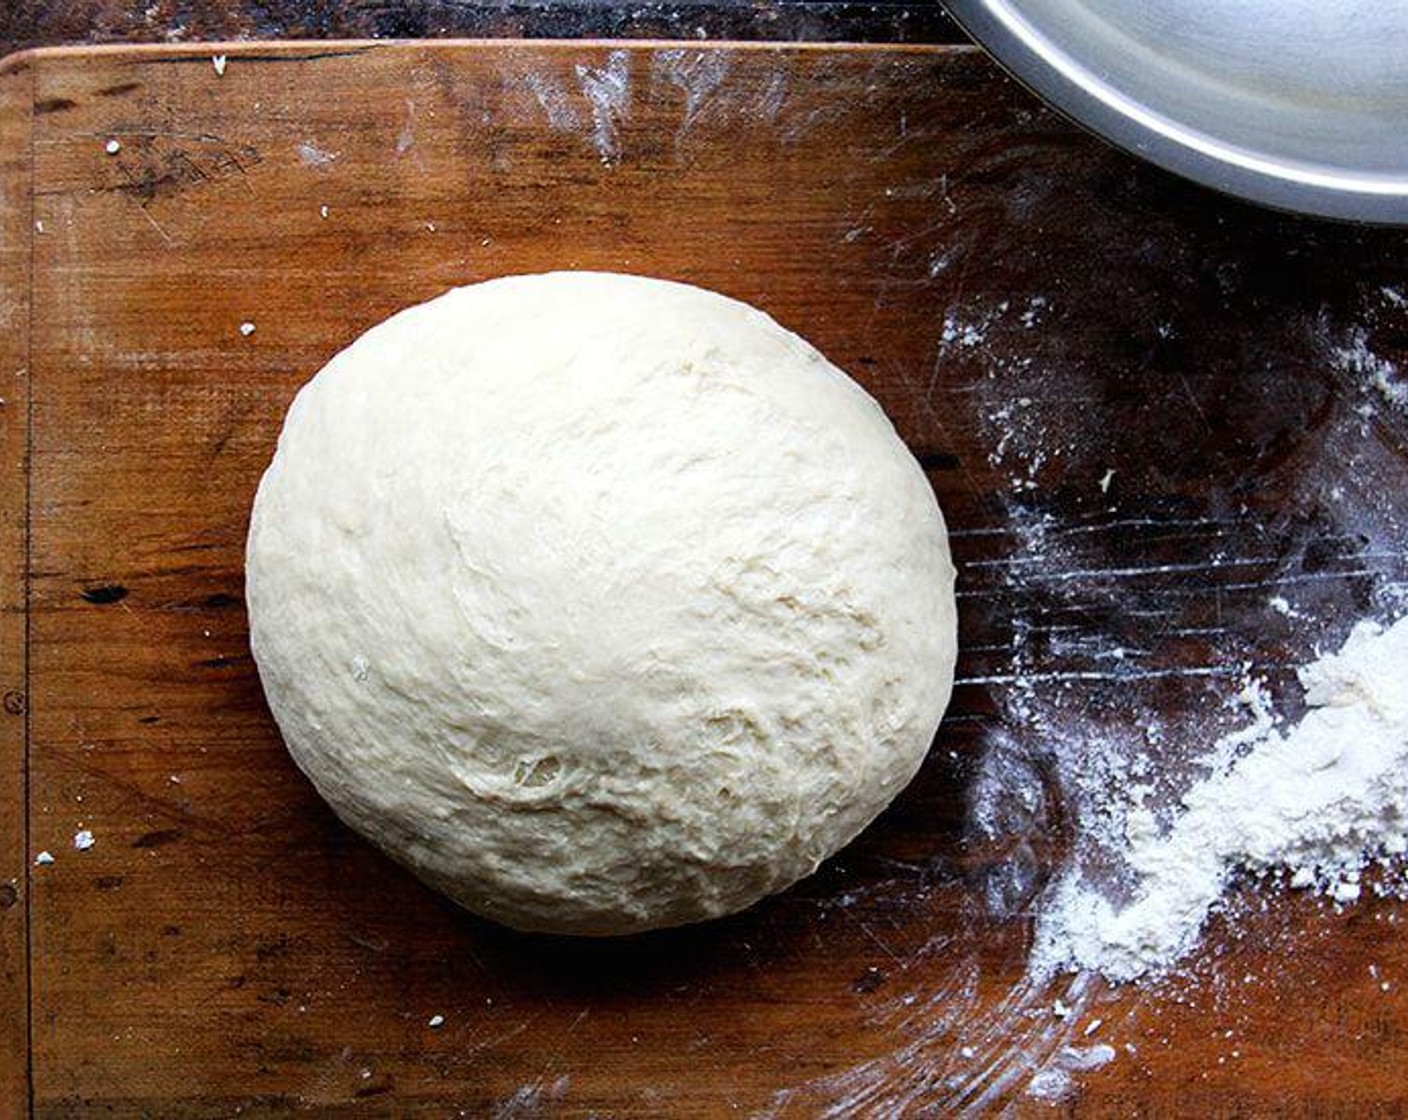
1075	90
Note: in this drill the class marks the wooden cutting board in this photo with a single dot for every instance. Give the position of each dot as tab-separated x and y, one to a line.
1078	349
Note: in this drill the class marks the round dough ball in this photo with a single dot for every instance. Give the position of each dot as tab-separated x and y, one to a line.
602	603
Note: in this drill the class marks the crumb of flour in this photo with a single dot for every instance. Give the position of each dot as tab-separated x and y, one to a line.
1050	1085
1355	356
1282	606
1054	1082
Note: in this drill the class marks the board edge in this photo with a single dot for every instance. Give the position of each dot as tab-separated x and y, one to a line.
16	268
309	50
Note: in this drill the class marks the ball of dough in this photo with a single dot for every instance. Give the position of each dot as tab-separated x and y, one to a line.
602	603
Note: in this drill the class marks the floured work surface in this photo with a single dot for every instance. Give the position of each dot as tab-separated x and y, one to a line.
1167	430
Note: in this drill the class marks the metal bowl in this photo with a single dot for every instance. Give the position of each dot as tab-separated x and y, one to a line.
1299	104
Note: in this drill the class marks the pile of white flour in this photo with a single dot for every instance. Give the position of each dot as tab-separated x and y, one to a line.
1322	802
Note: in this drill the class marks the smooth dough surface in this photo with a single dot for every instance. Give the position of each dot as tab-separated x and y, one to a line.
603	603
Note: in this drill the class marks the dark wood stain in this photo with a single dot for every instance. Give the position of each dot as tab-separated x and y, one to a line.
104	594
119	89
279	58
939	461
222	661
158	837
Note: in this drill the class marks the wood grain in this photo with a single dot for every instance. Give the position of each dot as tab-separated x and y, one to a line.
1032	309
15	218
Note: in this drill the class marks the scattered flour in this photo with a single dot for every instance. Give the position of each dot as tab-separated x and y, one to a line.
1054	1082
314	156
554	101
1088	750
406	139
1036	306
968	333
1050	1085
1088	1057
698	74
608	93
1355	356
536	1098
1323	800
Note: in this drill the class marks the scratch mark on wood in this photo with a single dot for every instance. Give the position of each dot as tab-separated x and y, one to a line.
155	225
1129	675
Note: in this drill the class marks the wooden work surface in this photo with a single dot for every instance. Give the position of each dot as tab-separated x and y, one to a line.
1034	310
